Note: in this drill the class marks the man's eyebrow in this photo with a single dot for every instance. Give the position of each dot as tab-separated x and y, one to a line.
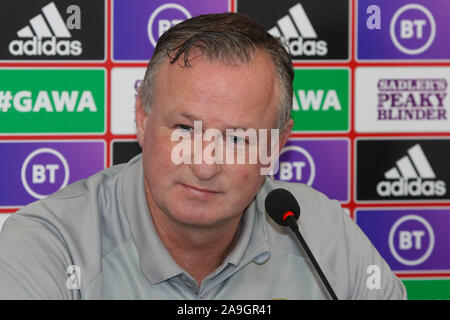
188	116
174	115
194	118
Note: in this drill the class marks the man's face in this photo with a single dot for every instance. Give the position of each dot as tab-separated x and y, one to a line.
222	97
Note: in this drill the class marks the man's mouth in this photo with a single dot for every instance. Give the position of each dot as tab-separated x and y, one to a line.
200	191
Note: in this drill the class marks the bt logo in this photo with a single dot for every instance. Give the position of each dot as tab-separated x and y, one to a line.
163	18
412	29
44	172
411	240
296	165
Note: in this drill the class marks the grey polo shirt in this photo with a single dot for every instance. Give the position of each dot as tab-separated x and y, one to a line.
95	240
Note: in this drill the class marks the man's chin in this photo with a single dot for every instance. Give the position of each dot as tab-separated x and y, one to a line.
200	216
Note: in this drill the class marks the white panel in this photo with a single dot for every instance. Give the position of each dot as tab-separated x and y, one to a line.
367	102
123	99
3	217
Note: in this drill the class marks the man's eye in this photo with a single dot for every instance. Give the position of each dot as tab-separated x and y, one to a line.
236	139
184	127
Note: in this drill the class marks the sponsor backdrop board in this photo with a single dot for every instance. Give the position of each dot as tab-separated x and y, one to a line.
312	29
33	170
427	289
308	162
125	83
138	26
409	239
406	99
43	30
321	100
370	107
402	170
124	150
52	101
403	30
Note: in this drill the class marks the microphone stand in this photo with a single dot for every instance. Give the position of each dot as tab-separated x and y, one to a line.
291	222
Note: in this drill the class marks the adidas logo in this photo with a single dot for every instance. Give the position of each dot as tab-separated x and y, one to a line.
51	25
294	28
412	176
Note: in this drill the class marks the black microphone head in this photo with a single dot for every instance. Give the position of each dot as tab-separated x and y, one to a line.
280	204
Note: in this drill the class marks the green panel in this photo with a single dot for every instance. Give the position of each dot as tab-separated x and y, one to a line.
52	101
430	289
321	100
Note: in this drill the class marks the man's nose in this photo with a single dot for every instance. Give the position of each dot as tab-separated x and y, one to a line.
205	171
205	166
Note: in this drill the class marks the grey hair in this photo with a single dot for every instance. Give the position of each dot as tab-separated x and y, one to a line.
230	38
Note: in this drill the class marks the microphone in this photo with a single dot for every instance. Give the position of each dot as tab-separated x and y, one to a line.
284	209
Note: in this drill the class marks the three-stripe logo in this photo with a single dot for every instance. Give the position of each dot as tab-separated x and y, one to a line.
41	28
48	25
294	28
411	176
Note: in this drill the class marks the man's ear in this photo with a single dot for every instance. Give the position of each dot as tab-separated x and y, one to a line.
285	133
141	120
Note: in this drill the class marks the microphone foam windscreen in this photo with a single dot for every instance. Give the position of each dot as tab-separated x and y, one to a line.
278	202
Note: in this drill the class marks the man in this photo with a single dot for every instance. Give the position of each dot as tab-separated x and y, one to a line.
156	229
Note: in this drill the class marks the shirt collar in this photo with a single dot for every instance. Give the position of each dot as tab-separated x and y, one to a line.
155	261
252	239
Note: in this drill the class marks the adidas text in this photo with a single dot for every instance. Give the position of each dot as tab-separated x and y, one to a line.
411	187
51	47
301	47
